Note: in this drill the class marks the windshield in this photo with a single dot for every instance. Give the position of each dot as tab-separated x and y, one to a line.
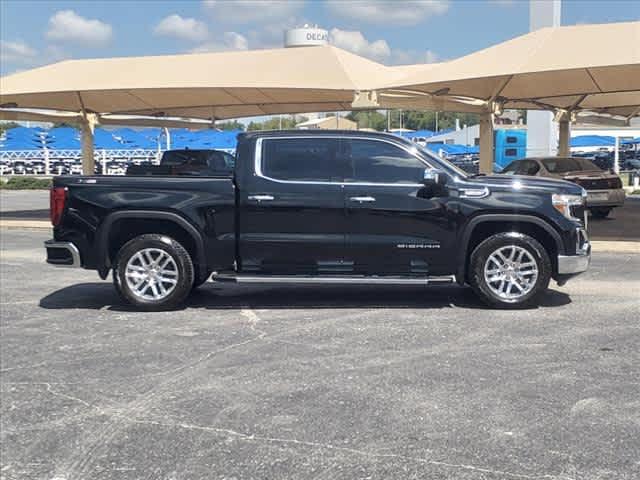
563	165
433	159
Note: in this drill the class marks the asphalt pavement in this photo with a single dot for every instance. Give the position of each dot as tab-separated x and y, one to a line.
316	383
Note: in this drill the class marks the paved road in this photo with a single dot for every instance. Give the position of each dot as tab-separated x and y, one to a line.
333	383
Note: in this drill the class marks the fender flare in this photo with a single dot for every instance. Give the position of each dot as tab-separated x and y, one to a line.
491	218
104	230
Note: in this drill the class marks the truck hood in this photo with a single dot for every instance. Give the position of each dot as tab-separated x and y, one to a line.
520	182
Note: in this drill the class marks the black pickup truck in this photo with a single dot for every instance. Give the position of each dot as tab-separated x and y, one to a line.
324	207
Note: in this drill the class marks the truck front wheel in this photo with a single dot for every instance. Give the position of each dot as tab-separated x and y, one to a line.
153	272
510	270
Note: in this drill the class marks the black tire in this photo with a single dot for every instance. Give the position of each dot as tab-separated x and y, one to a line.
182	265
480	257
600	212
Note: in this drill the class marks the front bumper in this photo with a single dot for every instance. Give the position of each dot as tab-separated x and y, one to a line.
605	198
63	254
578	263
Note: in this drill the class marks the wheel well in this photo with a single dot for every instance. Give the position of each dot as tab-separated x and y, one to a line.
126	229
486	229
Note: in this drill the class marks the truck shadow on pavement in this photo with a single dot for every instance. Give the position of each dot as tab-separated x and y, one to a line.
211	296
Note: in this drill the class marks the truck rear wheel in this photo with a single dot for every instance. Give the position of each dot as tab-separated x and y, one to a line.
153	272
510	270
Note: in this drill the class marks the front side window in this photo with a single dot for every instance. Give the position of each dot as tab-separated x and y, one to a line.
522	167
301	159
564	165
372	161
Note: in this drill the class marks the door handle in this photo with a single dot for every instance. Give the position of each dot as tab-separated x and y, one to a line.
362	199
260	198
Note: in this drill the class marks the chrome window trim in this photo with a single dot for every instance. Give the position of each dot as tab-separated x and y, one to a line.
259	173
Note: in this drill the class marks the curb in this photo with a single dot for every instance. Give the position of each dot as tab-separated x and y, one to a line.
597	245
615	246
38	224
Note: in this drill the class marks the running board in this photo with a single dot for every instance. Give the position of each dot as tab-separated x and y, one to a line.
337	280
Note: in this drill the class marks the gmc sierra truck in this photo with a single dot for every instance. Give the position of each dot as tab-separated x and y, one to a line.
325	207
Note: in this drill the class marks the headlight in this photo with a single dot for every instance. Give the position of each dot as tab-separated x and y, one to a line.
564	202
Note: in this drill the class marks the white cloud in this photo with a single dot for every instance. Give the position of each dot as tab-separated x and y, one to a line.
16	52
405	12
378	50
182	28
355	41
229	41
431	57
250	11
16	56
68	26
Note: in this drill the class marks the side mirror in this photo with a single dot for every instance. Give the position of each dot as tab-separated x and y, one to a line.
433	177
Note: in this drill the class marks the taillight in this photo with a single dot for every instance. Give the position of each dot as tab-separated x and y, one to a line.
57	197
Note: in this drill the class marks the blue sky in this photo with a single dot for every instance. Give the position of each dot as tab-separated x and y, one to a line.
34	33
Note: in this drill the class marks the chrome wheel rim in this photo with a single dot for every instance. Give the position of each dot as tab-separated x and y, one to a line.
511	272
151	274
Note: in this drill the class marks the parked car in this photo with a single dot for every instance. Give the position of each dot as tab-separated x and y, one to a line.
19	167
604	189
59	168
322	207
631	164
38	168
188	162
6	168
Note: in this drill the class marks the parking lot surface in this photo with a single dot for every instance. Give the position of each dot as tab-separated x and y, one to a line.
322	383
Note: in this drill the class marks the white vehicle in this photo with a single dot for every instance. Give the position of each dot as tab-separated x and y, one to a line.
5	169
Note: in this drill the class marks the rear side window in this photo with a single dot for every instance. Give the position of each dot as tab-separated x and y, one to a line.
523	167
301	159
372	161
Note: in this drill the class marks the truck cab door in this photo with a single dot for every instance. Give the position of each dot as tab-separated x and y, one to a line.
291	217
395	226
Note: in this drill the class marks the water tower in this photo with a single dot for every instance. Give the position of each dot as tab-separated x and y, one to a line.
306	36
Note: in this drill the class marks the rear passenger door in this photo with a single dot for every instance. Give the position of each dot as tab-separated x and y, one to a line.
393	228
292	218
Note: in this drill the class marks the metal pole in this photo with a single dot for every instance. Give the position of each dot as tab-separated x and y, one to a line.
88	162
436	122
167	137
564	134
388	121
47	162
616	156
104	162
486	143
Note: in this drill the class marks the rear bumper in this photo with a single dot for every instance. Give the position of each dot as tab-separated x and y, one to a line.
63	254
605	198
578	263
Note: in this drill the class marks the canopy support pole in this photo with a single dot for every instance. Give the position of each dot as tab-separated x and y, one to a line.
89	121
486	143
616	156
564	134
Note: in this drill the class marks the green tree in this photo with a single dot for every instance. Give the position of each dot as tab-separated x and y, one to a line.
369	119
274	123
8	126
230	125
